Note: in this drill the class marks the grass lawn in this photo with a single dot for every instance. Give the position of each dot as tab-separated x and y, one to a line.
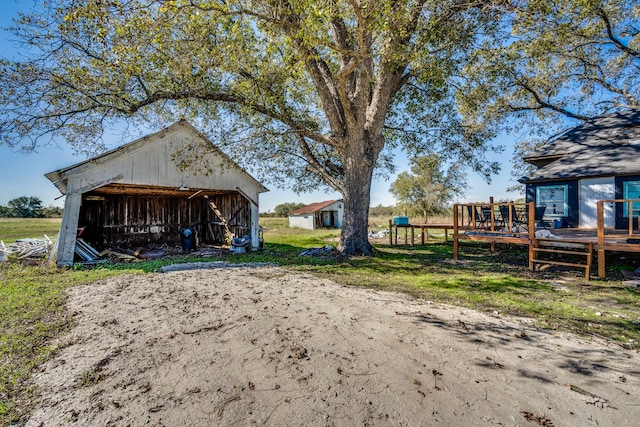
12	229
32	298
31	315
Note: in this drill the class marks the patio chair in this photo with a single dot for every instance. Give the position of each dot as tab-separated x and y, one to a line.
539	218
504	215
518	219
478	216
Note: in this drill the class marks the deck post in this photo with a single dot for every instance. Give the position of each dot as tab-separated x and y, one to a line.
492	225
630	216
455	231
492	215
531	208
532	245
422	231
601	251
532	220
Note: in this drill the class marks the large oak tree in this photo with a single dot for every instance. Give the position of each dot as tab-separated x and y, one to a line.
309	92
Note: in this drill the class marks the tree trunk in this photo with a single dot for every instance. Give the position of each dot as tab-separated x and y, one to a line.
354	239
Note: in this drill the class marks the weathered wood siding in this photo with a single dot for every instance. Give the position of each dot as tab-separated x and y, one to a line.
137	220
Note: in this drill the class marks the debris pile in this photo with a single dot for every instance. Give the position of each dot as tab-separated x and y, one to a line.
325	252
379	234
89	255
26	248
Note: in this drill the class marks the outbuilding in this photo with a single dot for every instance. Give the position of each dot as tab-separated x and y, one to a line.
146	191
327	214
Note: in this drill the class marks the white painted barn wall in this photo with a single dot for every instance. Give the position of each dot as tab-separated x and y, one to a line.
305	221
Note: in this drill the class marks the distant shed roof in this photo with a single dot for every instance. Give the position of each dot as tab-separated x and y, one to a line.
312	208
605	146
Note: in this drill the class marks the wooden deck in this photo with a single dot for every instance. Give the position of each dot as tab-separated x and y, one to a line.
563	243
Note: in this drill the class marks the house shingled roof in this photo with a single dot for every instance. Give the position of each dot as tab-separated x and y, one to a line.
608	145
312	208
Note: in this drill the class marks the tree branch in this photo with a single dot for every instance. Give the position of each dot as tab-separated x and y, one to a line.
548	105
615	40
317	168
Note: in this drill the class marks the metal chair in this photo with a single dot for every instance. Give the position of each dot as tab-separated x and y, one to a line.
539	218
478	216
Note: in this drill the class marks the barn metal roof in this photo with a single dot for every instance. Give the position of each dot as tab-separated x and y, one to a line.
312	208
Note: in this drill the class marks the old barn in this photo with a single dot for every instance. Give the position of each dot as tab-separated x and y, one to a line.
145	191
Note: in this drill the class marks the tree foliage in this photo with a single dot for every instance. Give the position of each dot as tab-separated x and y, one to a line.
428	189
381	211
561	62
307	92
283	209
24	207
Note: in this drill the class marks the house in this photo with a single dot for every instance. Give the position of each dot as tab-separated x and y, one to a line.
597	160
147	190
328	214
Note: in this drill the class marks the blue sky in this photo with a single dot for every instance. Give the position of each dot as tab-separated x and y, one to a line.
23	174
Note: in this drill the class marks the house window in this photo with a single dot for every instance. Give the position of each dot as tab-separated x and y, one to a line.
631	190
554	198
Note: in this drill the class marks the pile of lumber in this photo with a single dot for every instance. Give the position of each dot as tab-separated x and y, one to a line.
27	248
86	251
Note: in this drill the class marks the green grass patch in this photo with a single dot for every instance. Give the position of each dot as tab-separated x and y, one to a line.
12	229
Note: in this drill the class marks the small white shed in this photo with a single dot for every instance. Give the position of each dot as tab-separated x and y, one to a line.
145	191
328	214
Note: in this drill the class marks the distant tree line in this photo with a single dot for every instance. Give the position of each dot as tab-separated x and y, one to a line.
29	207
283	209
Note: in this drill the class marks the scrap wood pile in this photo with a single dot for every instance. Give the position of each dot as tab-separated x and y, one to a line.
379	234
27	248
90	255
328	251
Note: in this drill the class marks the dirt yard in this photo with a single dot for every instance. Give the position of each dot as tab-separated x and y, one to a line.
262	346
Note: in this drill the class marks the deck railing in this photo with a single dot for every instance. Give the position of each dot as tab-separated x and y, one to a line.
631	214
502	218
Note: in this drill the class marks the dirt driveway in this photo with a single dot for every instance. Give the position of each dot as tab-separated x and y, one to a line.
263	346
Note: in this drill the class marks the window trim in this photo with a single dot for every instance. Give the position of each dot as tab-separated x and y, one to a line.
565	203
625	195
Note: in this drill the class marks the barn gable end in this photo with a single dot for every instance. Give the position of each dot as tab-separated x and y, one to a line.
146	190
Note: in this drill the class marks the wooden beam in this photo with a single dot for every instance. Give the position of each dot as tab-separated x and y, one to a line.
600	224
95	185
216	211
246	196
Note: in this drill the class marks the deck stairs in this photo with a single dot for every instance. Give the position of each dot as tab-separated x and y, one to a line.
578	253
